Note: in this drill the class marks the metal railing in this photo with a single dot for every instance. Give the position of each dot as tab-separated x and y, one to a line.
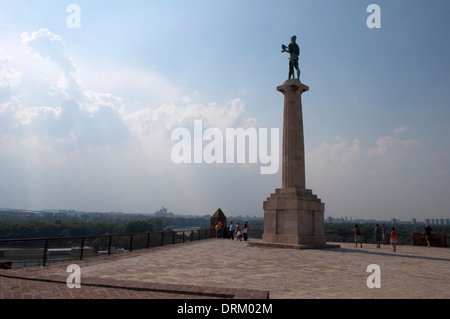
348	237
42	251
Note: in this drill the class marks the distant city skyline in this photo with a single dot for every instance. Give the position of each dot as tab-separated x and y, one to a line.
91	91
163	212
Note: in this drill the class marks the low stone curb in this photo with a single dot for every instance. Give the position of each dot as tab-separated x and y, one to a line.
205	291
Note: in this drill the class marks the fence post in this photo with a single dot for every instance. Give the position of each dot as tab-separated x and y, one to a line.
131	242
82	248
173	237
148	240
192	235
109	245
162	238
45	252
183	236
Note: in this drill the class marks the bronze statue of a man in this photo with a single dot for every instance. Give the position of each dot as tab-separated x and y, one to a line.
294	51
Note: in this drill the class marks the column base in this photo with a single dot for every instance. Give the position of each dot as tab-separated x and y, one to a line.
294	218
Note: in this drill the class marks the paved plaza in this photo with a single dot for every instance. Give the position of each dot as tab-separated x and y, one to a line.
222	265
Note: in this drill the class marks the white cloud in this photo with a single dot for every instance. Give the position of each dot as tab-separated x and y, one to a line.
26	115
164	119
368	181
339	154
139	87
389	154
386	143
400	130
103	140
9	77
48	46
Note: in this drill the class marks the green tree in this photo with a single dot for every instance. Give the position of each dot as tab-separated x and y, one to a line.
139	226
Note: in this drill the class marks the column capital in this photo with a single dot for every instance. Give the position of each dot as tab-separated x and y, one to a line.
293	85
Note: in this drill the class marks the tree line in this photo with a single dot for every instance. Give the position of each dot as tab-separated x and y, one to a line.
44	229
18	226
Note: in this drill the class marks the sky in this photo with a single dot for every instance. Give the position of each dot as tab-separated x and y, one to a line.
91	94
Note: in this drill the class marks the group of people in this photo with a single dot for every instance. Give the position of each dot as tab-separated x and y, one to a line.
235	231
381	235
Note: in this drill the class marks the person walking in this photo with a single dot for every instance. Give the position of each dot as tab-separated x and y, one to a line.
394	239
357	233
427	231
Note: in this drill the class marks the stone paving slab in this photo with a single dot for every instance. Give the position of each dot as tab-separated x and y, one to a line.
23	288
338	273
38	282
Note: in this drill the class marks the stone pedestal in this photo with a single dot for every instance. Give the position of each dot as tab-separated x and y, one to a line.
293	215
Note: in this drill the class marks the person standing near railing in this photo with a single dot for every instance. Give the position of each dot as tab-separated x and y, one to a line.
217	228
427	230
222	228
231	231
377	235
385	233
357	233
245	231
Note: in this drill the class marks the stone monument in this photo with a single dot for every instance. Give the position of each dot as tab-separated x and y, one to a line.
215	219
293	215
217	216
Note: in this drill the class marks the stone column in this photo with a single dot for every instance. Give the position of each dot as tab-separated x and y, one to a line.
293	215
293	154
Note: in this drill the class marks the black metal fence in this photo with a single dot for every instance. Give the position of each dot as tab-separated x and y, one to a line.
348	237
43	251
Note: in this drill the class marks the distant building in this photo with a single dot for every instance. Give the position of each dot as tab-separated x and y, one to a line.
163	213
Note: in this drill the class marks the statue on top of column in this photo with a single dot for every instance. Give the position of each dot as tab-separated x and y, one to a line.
294	50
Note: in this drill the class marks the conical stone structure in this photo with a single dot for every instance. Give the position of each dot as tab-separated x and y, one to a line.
217	216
